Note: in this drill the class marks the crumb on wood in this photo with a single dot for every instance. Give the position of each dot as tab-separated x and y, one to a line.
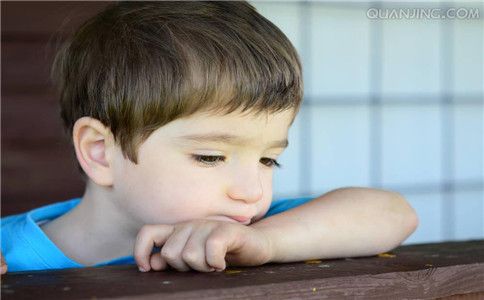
313	261
387	255
232	271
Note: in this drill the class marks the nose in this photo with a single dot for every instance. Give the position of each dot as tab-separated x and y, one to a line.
246	185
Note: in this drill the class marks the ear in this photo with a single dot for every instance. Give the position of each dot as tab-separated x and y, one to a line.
92	141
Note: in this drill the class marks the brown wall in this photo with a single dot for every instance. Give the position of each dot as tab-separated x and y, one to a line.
38	166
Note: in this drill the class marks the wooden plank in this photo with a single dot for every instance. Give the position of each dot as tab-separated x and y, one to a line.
471	296
31	34
37	173
26	64
417	271
32	116
43	18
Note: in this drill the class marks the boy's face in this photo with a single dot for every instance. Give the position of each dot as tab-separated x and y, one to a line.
203	166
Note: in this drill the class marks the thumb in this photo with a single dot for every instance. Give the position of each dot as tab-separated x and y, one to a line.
149	237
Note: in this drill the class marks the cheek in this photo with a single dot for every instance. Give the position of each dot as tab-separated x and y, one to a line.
266	201
173	195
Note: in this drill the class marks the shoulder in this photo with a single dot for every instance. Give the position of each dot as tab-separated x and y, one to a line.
17	235
25	246
282	205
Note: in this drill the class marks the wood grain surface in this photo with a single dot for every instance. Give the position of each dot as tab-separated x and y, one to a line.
38	167
427	271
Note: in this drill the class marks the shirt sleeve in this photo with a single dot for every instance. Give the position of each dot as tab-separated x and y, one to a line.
282	205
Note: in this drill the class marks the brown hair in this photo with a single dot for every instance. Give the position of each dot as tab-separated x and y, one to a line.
138	65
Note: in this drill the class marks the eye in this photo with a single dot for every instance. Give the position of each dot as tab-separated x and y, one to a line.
209	160
269	162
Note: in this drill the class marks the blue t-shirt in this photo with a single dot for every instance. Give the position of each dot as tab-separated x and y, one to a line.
26	247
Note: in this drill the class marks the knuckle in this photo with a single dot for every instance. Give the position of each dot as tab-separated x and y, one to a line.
190	255
169	255
145	230
216	241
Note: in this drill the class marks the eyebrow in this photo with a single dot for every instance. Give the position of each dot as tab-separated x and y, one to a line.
227	139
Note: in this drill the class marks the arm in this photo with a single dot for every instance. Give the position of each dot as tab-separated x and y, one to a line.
342	223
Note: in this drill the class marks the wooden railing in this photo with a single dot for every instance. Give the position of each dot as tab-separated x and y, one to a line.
446	270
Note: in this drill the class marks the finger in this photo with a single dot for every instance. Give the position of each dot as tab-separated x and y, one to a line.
173	248
194	252
157	262
149	237
3	264
216	248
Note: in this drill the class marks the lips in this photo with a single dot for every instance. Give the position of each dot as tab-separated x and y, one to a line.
241	219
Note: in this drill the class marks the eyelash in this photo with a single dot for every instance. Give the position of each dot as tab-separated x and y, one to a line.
212	160
209	160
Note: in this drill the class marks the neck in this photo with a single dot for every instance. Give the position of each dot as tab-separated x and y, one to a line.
94	231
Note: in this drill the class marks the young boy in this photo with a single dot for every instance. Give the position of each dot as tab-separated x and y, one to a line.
178	112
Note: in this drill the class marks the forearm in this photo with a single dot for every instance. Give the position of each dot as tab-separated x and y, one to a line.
342	223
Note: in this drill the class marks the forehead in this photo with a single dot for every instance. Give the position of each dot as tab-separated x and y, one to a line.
234	128
243	120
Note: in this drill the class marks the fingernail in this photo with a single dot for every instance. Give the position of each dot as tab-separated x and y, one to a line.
141	269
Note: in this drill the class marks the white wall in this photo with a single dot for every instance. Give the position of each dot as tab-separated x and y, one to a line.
389	103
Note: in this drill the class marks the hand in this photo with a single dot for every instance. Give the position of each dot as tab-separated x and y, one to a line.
202	245
3	264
